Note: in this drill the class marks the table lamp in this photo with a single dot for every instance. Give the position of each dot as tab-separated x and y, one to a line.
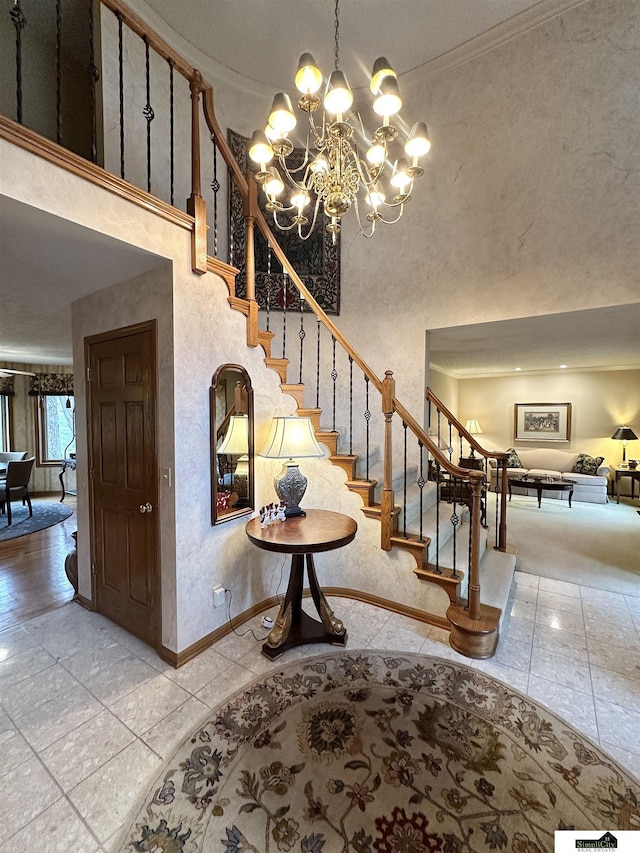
236	443
291	437
624	434
474	428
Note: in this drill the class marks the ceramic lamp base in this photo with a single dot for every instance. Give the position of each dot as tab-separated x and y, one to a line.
290	486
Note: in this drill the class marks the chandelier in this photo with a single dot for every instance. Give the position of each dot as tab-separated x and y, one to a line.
333	175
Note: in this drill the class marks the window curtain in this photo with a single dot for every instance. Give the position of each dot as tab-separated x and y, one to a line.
6	386
51	385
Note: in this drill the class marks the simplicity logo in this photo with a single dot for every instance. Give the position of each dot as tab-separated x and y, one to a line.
607	842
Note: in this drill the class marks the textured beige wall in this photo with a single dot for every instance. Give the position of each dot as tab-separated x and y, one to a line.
528	205
445	387
601	402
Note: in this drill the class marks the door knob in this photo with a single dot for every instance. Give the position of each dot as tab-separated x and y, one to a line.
146	507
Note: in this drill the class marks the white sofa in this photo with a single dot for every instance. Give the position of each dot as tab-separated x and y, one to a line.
538	461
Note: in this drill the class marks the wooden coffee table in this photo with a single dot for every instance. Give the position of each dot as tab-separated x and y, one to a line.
552	485
302	537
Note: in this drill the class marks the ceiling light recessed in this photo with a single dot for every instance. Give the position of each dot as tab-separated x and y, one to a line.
517	369
562	366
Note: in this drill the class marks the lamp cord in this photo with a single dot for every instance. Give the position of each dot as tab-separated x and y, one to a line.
250	630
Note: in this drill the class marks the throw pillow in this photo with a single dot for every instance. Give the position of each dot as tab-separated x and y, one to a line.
586	464
513	460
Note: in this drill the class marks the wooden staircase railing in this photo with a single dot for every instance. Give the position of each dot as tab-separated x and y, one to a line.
474	625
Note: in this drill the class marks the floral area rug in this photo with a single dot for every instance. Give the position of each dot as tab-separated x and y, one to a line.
376	752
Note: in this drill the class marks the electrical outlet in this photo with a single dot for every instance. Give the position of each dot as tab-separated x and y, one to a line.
218	596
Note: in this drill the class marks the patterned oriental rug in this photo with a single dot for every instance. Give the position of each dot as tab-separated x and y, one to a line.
377	752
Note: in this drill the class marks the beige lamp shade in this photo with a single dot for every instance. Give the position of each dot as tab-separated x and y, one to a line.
291	437
473	426
236	440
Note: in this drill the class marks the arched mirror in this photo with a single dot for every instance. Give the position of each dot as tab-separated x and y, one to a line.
232	486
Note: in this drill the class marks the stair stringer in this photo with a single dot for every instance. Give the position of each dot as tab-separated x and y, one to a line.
415	552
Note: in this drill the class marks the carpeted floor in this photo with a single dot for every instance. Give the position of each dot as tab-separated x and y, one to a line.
381	752
45	514
596	545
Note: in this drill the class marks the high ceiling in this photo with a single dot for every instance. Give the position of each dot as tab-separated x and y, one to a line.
262	39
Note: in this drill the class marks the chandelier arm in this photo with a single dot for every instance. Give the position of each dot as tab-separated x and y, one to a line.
291	176
312	225
362	231
392	221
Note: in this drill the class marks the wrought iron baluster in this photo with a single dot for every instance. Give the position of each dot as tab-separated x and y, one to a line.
450	448
215	186
436	467
269	286
173	167
121	91
367	417
147	112
19	22
94	76
421	487
404	493
318	364
497	512
301	335
59	72
334	377
455	520
350	406
284	314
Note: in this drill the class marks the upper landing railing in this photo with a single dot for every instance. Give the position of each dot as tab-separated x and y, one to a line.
103	97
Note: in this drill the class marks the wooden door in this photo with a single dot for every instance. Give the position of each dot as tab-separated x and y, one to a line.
123	478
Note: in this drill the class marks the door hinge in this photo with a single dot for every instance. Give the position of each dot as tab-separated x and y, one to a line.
93	568
88	374
92	473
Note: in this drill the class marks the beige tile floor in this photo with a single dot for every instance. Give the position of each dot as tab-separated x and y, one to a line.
89	714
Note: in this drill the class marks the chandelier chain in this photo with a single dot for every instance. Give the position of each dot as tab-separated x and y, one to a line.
336	50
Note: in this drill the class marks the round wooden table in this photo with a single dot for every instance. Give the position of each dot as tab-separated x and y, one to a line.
303	536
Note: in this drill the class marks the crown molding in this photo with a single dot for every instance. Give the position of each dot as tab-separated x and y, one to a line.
555	371
501	33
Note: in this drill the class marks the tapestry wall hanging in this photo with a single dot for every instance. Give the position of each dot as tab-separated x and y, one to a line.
316	260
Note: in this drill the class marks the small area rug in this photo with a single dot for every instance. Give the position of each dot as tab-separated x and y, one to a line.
45	514
378	752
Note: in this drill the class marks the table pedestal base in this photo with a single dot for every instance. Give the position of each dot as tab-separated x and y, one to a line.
293	626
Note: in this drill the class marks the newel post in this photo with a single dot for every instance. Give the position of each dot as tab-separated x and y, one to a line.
196	205
388	497
250	209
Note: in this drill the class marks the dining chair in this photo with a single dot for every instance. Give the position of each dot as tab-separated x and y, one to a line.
15	486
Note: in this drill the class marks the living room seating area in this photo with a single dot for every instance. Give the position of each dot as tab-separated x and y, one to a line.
561	464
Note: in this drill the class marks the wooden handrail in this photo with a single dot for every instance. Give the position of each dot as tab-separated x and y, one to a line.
143	30
489	454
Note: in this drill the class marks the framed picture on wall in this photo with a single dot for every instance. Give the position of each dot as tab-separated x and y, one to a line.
542	421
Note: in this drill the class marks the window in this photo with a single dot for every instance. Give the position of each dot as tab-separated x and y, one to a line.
55	432
5	437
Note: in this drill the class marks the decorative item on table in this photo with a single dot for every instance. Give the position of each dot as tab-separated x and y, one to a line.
334	173
624	434
291	437
236	443
271	513
633	464
473	426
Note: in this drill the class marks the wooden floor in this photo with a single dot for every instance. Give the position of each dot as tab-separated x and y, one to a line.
32	577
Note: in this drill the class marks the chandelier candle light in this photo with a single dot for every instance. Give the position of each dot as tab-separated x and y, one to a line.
333	174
